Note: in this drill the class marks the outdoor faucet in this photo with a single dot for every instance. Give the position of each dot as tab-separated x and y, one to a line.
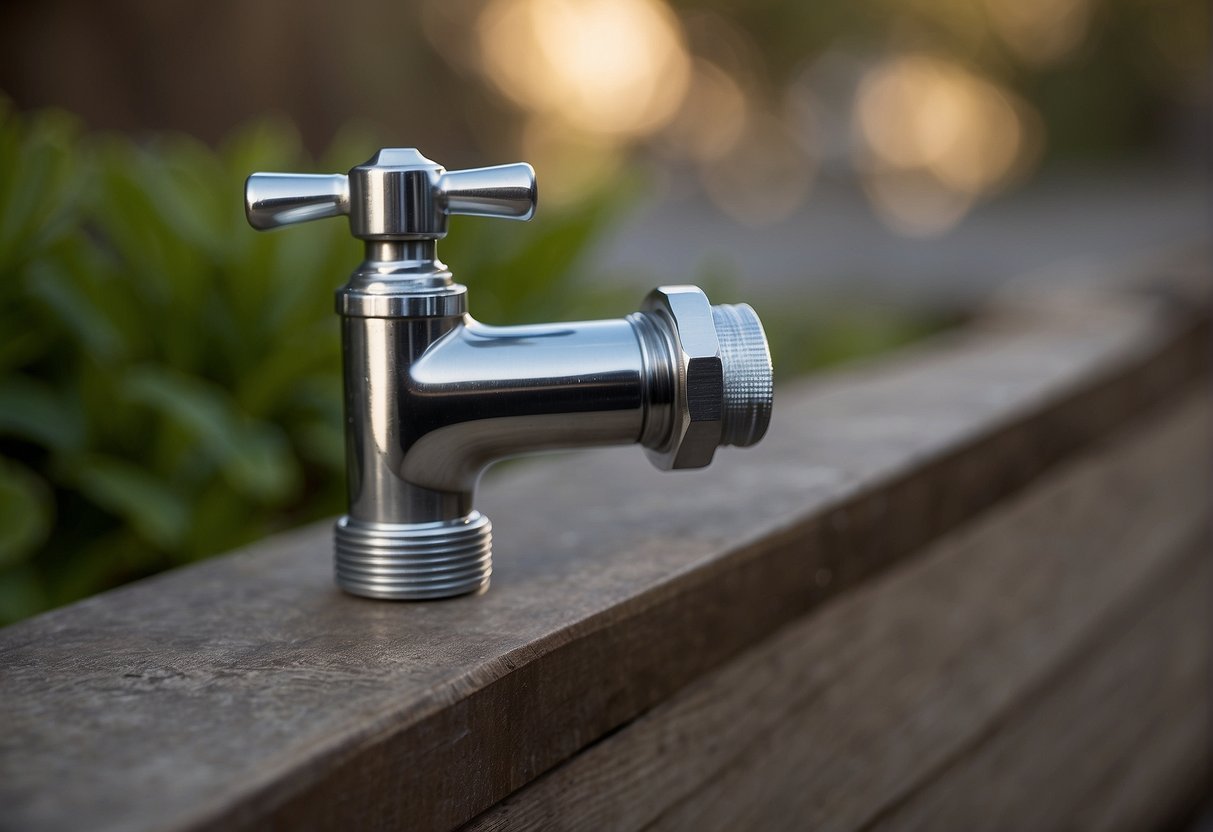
433	397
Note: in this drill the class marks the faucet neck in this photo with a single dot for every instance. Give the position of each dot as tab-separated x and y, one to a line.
402	251
402	279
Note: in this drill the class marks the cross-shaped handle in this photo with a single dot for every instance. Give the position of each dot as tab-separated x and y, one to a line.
397	195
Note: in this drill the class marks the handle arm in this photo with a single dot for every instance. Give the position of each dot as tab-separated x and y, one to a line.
397	194
505	191
272	200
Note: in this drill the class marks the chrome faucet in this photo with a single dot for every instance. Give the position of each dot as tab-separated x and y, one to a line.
433	397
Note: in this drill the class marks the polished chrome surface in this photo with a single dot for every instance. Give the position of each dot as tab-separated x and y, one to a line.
402	279
414	561
506	191
749	384
273	200
397	194
484	393
433	397
724	388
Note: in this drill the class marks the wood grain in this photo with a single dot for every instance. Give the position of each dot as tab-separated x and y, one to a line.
952	691
1117	739
247	692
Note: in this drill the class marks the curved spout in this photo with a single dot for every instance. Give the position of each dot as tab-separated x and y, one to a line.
447	401
484	393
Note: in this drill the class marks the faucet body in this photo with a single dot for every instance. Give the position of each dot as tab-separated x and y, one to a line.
431	402
453	395
433	397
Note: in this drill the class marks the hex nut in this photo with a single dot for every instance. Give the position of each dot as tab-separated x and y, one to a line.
698	409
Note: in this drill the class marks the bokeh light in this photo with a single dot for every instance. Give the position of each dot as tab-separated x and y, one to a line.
933	137
574	163
1041	32
608	67
927	96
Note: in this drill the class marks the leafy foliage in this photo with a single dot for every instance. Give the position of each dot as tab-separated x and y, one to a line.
169	379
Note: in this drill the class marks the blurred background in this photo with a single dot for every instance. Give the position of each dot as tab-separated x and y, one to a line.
862	172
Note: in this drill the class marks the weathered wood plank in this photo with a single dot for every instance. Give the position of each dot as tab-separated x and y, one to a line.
844	714
1118	740
247	691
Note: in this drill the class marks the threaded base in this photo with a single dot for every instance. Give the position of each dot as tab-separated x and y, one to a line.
414	561
748	378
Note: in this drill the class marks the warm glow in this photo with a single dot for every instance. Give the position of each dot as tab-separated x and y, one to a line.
712	117
573	163
1041	32
607	67
920	112
935	137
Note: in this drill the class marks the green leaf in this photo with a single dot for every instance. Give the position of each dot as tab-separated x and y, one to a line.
308	352
21	594
25	512
25	341
65	299
254	456
148	503
323	443
33	411
41	160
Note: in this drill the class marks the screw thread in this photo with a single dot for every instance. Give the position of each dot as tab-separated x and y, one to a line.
748	377
414	561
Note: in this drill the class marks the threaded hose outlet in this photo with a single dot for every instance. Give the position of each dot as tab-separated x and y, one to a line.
749	386
708	376
414	561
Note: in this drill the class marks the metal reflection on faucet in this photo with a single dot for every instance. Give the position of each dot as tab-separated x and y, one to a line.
433	397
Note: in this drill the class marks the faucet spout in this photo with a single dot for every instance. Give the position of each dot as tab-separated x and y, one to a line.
484	393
